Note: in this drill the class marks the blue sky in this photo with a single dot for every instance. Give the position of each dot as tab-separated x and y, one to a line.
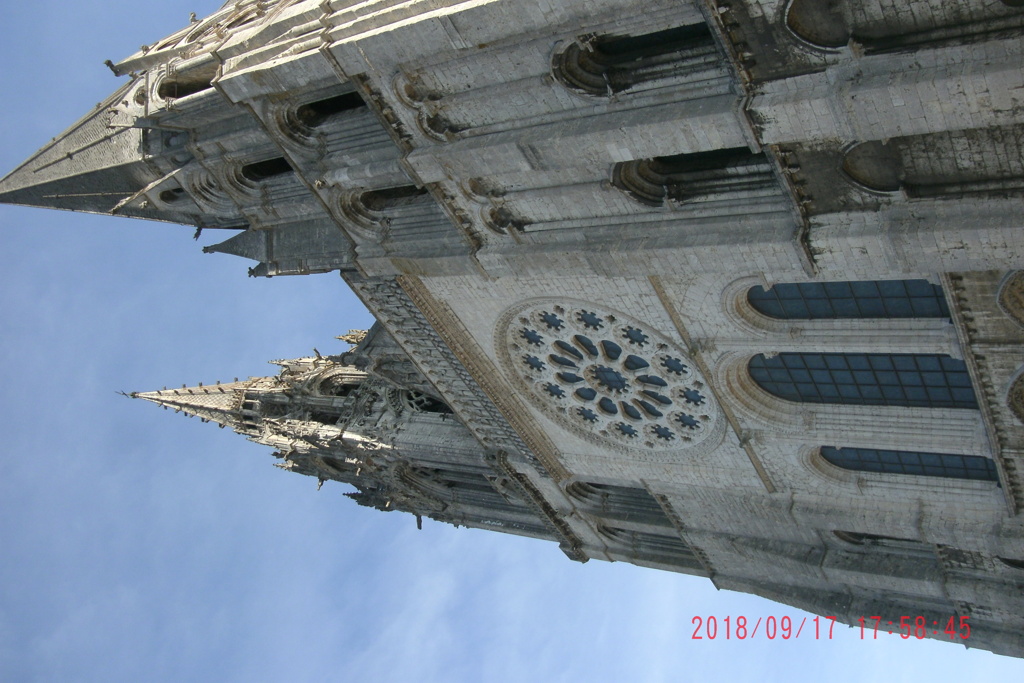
136	545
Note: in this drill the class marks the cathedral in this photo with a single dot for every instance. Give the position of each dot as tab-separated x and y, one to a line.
733	288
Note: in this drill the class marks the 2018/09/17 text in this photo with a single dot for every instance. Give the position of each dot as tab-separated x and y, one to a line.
771	628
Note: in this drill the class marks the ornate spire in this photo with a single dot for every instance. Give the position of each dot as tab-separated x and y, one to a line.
220	403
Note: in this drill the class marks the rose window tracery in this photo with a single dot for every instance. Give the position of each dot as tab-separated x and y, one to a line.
608	377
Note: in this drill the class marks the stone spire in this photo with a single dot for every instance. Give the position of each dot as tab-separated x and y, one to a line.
220	403
93	166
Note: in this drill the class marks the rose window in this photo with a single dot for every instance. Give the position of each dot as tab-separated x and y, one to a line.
608	376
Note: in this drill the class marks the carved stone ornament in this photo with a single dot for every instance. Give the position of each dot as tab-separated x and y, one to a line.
354	337
1011	297
608	378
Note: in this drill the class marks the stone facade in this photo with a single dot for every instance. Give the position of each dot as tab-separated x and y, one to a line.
596	237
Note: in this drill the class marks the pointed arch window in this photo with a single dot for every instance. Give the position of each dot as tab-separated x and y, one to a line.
859	299
605	65
315	114
689	177
618	503
873	379
912	462
266	169
642	545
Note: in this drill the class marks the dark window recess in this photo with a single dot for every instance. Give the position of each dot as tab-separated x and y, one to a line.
182	88
392	197
337	386
338	464
912	462
683	177
427	404
653	547
819	23
1009	562
316	113
324	417
875	165
872	379
173	195
613	64
861	299
274	409
618	503
264	170
430	405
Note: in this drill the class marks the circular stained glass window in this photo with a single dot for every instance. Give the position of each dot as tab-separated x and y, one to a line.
608	377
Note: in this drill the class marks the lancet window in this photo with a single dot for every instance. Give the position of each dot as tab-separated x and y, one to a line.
618	503
665	548
182	87
912	462
454	485
876	379
315	114
686	177
264	170
605	65
860	299
393	198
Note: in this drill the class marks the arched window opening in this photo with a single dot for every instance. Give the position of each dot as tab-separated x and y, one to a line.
833	24
392	197
264	170
873	379
324	416
338	385
182	87
643	545
858	299
686	177
606	65
946	164
427	404
272	410
315	114
173	195
819	22
875	165
451	485
618	503
906	547
339	465
912	462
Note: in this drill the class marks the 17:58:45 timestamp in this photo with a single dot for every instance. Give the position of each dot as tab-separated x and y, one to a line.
918	627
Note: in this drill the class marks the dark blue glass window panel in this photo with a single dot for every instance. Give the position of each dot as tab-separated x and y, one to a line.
919	380
912	462
865	299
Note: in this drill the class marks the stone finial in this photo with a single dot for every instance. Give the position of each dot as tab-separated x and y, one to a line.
354	337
